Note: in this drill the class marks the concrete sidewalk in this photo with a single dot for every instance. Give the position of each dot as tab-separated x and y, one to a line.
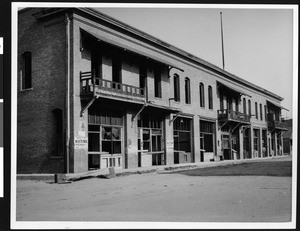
109	173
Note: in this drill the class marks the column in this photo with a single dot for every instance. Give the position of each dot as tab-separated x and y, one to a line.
169	140
131	139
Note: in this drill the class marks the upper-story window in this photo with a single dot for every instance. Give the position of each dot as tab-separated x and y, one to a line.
143	76
201	92
261	112
221	102
210	97
256	111
157	82
265	113
187	91
244	106
26	80
249	107
116	70
176	88
237	104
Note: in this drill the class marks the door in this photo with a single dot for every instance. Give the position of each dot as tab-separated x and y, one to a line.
226	147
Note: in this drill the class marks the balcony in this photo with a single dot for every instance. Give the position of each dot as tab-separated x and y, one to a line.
91	85
230	115
277	125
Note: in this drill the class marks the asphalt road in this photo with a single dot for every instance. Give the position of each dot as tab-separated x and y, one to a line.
159	197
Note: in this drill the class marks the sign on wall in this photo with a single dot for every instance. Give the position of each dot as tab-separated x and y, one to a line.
80	143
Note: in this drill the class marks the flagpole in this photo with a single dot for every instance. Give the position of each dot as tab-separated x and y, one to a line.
223	60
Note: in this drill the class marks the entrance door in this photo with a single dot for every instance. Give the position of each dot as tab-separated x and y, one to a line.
226	147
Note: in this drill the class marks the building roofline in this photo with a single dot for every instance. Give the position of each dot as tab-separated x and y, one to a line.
175	50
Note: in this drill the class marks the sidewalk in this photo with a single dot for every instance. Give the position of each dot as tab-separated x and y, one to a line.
105	173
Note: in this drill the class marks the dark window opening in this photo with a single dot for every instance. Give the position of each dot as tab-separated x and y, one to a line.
187	91
96	63
201	92
210	97
157	82
143	76
207	134
256	111
26	70
176	88
249	107
116	72
221	102
261	112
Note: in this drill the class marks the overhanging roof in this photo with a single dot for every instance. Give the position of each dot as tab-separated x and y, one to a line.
277	105
131	49
219	84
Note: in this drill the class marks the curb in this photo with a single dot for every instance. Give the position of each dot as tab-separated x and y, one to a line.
73	177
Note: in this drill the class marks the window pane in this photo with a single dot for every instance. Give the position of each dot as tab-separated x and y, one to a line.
106	133
208	143
116	133
184	141
106	146
94	142
154	149
116	147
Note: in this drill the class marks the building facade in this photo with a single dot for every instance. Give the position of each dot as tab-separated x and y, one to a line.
96	93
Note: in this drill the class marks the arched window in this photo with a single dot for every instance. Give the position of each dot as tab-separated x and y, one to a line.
26	80
210	97
249	107
176	88
261	112
256	111
244	106
201	92
187	91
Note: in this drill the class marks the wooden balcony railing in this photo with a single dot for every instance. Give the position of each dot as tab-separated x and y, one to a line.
90	84
226	114
280	125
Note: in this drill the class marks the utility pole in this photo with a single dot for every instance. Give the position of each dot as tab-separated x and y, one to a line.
223	60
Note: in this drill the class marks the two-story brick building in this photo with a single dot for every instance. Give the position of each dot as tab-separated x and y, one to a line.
96	93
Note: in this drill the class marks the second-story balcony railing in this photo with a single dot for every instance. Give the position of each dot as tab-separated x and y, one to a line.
280	125
90	84
226	114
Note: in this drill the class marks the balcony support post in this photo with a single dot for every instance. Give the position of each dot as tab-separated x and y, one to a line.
90	102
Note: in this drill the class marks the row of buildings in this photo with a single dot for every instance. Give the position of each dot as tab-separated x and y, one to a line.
96	93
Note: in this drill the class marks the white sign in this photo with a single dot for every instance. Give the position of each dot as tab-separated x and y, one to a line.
81	143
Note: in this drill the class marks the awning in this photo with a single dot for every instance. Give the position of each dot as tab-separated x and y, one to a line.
222	85
277	105
141	52
167	109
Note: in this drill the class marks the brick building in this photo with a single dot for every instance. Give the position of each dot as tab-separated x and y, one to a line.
95	93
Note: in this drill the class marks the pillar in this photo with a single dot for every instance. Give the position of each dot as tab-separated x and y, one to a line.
169	140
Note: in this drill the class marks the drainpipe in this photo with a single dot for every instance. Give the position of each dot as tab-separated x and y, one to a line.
68	92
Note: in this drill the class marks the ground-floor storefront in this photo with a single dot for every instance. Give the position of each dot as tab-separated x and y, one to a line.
138	136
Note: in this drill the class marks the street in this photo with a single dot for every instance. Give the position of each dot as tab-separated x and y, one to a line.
158	197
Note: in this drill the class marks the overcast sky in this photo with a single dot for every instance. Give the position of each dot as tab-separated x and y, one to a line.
257	42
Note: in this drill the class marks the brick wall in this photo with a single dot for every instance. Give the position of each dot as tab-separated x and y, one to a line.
35	130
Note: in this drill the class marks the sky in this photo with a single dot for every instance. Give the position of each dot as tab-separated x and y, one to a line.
258	43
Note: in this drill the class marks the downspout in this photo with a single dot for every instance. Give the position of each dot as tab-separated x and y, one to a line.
68	93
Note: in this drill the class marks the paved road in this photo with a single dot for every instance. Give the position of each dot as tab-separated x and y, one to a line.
158	197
